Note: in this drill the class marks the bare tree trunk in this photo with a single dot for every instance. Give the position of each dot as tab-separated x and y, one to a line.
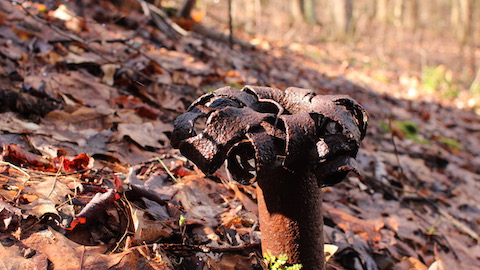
461	19
398	11
309	12
381	12
341	17
296	10
410	18
230	23
185	11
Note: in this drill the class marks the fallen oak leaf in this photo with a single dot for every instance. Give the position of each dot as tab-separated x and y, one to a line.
95	207
63	253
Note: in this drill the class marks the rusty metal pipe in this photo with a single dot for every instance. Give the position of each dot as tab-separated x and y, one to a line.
291	142
291	220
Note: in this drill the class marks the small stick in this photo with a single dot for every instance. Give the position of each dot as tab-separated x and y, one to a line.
167	170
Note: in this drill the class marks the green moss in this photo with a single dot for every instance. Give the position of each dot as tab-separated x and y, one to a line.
440	79
409	129
451	143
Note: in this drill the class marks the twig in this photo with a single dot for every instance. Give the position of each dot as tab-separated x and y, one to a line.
126	230
15	199
81	258
403	177
16	168
460	225
230	24
56	178
167	170
203	248
162	21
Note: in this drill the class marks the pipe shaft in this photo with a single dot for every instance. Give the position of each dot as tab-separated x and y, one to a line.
290	215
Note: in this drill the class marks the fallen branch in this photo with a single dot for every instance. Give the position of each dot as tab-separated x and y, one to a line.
161	20
462	227
205	248
217	36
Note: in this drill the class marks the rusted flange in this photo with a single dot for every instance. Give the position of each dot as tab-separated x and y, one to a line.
260	127
293	142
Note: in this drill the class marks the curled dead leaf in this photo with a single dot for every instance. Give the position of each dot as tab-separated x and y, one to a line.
95	207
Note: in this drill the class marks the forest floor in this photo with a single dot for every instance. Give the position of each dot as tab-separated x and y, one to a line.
89	179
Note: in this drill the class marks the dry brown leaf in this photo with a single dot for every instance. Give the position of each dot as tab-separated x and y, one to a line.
248	203
230	261
11	123
153	188
147	230
49	192
147	134
64	253
84	87
15	256
134	103
79	118
95	207
369	230
67	255
197	195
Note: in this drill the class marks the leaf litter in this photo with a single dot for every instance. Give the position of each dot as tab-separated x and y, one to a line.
89	180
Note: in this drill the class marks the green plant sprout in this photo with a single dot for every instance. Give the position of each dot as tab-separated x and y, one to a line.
407	128
181	221
279	263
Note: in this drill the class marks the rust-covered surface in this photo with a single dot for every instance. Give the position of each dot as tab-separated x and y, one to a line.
292	142
260	127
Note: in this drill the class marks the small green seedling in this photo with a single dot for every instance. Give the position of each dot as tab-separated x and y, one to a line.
279	263
181	221
450	143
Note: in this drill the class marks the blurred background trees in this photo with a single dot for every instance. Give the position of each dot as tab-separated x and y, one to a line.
409	35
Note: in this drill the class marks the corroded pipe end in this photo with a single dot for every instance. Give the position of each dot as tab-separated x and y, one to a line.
257	129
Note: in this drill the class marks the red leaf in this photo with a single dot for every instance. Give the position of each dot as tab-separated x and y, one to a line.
117	182
181	171
78	163
17	155
76	221
134	103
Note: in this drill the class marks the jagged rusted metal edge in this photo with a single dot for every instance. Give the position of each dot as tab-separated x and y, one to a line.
269	125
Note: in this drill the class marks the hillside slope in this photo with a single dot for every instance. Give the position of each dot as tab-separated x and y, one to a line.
88	96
